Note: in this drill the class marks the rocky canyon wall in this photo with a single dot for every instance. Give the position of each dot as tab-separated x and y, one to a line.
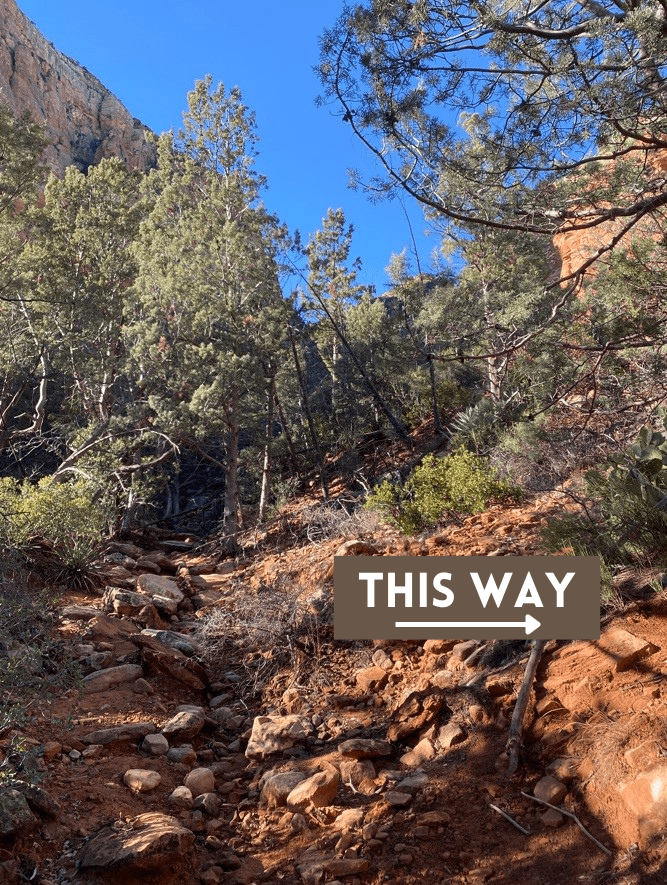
84	121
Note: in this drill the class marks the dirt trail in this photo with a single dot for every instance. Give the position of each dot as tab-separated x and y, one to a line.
425	817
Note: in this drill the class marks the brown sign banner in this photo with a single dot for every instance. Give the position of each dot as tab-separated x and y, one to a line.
441	597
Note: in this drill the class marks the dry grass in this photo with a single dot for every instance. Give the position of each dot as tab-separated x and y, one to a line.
605	741
323	522
269	630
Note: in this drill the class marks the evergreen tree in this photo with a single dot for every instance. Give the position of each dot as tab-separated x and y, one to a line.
500	115
332	292
79	266
210	313
332	282
22	367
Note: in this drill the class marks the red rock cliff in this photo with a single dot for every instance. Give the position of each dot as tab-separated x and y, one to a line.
84	121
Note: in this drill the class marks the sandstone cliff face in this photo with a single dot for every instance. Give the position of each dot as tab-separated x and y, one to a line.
574	247
84	121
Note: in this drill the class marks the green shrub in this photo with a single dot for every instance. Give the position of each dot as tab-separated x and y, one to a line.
61	514
629	504
625	517
461	482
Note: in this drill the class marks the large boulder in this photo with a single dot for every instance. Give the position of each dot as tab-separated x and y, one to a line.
147	843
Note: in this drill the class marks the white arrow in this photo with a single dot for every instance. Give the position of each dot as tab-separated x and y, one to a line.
530	624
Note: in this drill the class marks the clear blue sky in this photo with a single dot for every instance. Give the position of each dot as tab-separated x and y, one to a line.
150	52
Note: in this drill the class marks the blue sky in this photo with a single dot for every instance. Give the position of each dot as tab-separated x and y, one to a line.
150	52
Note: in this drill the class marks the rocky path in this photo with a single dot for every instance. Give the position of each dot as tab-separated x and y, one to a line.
357	762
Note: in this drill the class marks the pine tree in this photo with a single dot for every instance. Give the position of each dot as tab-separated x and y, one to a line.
332	291
22	367
79	267
503	115
209	309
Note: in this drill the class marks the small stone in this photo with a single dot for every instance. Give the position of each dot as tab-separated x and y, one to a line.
439	646
442	679
642	757
102	680
123	602
94	751
476	713
275	734
209	802
349	820
200	780
155	745
360	773
413	783
451	734
381	659
142	686
356	548
184	726
422	752
130	732
646	800
550	790
181	797
434	818
278	787
462	650
292	700
345	866
371	679
416	710
141	780
547	705
318	790
160	588
182	755
185	644
563	769
624	648
16	816
149	842
552	818
499	686
398	800
365	748
50	750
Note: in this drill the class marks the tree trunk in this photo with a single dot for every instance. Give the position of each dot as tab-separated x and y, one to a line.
266	469
437	423
496	366
230	518
375	393
309	418
288	436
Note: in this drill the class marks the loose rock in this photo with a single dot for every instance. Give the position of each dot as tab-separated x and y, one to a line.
184	726
141	780
274	734
102	680
200	780
318	791
278	787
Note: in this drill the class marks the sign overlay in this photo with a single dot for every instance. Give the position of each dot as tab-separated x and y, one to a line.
440	597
